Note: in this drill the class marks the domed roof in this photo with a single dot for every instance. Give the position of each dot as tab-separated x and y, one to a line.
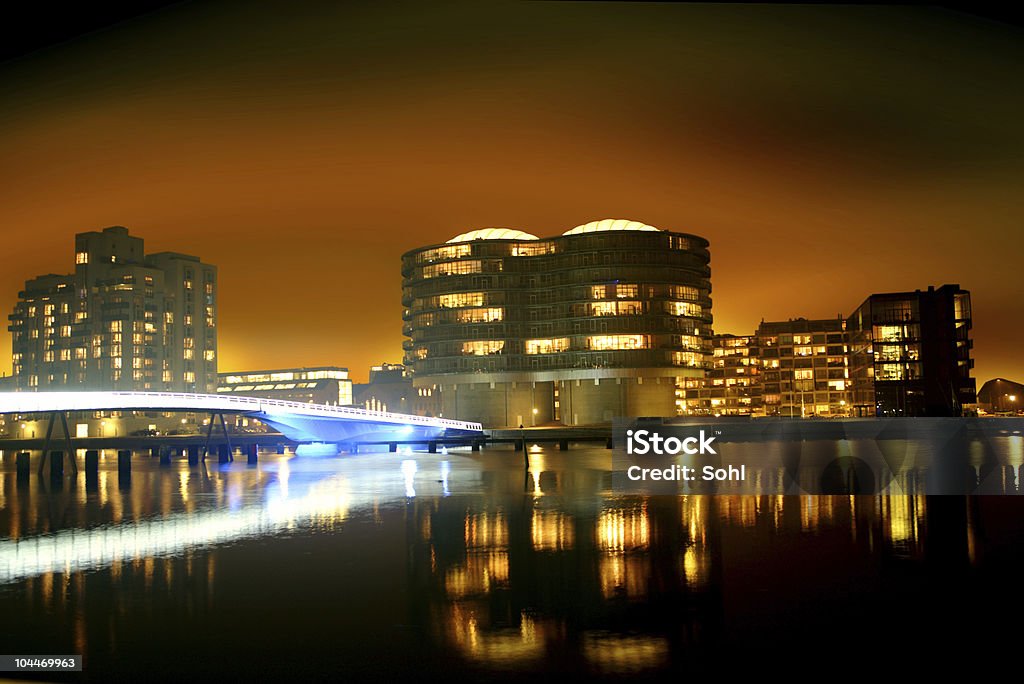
609	224
493	234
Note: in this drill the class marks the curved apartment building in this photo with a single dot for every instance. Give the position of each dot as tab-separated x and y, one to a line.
602	321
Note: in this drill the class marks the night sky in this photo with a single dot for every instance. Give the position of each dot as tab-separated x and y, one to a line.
826	152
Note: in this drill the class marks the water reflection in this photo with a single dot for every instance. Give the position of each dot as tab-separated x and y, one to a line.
479	564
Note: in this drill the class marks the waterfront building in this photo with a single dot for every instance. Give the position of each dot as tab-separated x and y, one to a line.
607	319
732	386
123	320
317	385
910	353
804	367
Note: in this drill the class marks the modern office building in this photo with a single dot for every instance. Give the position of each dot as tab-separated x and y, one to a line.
804	368
732	386
910	353
604	320
123	320
319	385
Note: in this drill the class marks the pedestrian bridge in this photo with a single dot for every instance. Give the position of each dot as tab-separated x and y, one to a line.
304	423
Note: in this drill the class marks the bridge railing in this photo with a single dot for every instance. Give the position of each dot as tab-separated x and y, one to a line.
99	401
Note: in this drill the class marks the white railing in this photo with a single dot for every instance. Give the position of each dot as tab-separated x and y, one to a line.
40	402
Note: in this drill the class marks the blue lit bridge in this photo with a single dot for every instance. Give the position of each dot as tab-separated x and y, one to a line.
299	422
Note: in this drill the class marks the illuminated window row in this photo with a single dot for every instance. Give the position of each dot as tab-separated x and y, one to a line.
452	268
483	347
616	308
446	252
601	342
684	309
547	346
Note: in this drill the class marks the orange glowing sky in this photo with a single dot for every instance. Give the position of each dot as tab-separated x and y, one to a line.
826	153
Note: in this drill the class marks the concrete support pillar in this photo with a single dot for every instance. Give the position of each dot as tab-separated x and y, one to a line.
124	468
252	453
432	448
193	455
154	452
22	461
56	465
223	453
392	447
475	446
563	445
165	456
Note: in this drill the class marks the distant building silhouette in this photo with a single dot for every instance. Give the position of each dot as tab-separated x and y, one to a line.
390	389
122	321
1001	396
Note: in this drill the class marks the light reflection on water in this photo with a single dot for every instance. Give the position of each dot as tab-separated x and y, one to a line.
481	564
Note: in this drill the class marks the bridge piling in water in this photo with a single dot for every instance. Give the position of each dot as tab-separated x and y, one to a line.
223	453
193	455
56	465
475	446
432	448
563	445
124	461
92	469
253	454
393	447
165	455
22	464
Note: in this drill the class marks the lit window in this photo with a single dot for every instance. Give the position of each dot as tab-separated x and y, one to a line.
451	301
208	354
82	258
615	308
452	268
690	359
547	346
481	347
684	309
619	342
480	315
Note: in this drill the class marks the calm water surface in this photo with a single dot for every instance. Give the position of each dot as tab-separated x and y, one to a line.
414	566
